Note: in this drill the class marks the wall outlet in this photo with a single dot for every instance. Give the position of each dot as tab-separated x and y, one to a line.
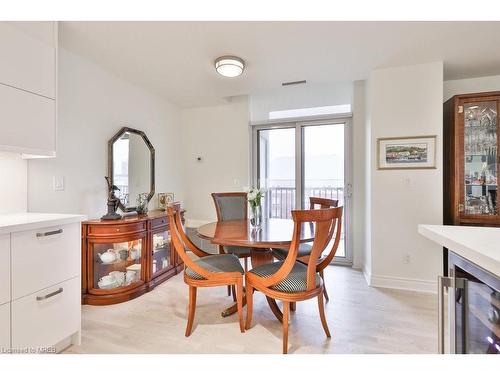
406	258
236	182
58	183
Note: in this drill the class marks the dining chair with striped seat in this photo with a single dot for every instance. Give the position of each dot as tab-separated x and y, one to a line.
206	271
232	206
291	281
305	248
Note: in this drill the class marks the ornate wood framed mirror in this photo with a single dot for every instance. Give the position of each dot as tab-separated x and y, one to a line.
131	166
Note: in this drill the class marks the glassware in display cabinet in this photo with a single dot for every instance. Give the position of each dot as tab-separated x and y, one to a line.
161	254
117	264
481	149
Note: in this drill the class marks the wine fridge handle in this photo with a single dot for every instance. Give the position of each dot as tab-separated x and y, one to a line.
443	282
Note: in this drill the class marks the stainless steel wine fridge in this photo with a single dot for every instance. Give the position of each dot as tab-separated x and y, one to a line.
474	309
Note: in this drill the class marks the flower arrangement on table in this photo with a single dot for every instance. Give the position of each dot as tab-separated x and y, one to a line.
254	198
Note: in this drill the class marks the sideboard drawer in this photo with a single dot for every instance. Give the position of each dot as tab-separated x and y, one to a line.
4	268
4	327
44	257
113	230
159	222
44	318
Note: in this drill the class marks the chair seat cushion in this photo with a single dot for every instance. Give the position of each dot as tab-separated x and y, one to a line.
304	250
296	281
216	263
239	251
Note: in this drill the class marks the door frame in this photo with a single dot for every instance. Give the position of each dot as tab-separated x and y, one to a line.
299	125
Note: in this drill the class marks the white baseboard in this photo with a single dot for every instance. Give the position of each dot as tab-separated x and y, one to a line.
368	276
391	282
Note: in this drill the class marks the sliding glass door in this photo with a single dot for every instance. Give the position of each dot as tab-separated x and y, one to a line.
295	161
277	171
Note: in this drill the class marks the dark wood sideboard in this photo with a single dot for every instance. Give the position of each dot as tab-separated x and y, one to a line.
123	259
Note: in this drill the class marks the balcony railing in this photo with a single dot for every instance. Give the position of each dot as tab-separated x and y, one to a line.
279	201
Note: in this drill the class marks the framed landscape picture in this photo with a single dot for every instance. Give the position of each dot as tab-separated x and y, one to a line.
407	153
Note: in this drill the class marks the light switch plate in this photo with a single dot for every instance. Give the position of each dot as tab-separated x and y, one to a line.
58	183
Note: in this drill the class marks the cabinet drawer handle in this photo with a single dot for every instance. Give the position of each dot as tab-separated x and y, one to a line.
51	233
47	296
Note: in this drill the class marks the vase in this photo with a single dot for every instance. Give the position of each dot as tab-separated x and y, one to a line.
256	219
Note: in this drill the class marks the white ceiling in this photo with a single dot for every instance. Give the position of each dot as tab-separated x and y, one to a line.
175	59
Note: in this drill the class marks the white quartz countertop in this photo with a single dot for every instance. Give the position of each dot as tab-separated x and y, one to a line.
30	220
479	245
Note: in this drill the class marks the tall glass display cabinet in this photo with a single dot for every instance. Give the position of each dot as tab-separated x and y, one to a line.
471	160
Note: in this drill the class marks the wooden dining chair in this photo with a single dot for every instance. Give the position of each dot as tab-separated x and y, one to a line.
305	248
232	206
291	281
206	271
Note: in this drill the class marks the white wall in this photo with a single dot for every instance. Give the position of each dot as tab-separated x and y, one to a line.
299	96
358	157
93	105
13	183
220	135
471	85
405	101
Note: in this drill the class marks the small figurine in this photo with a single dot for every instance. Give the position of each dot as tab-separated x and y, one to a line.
113	202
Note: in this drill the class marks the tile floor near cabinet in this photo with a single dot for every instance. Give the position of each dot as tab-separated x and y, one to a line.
361	319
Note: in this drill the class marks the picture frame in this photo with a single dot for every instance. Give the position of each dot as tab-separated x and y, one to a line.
162	201
169	198
415	152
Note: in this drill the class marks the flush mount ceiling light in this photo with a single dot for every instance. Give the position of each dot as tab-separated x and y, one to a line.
229	66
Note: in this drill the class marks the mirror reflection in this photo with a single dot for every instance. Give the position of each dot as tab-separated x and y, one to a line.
131	168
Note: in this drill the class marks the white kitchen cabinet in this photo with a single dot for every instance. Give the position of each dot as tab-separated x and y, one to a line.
28	59
4	328
28	122
48	255
4	269
41	256
46	317
28	87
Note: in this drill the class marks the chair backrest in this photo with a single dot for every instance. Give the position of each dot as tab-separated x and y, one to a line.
322	202
181	242
231	206
327	222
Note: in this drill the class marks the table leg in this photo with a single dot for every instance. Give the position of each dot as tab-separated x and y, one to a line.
233	309
260	257
275	308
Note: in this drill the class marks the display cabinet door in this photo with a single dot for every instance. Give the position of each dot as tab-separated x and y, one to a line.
479	163
116	265
162	258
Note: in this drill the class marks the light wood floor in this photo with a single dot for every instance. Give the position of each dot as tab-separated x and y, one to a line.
361	319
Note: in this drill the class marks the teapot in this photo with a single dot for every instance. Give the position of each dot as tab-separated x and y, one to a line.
108	256
135	253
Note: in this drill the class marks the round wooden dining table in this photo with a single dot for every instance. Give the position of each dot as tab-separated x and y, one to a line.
273	233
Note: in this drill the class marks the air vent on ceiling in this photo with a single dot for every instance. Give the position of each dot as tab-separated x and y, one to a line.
293	83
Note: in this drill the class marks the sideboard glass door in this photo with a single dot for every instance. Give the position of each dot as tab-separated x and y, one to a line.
117	264
480	158
161	253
